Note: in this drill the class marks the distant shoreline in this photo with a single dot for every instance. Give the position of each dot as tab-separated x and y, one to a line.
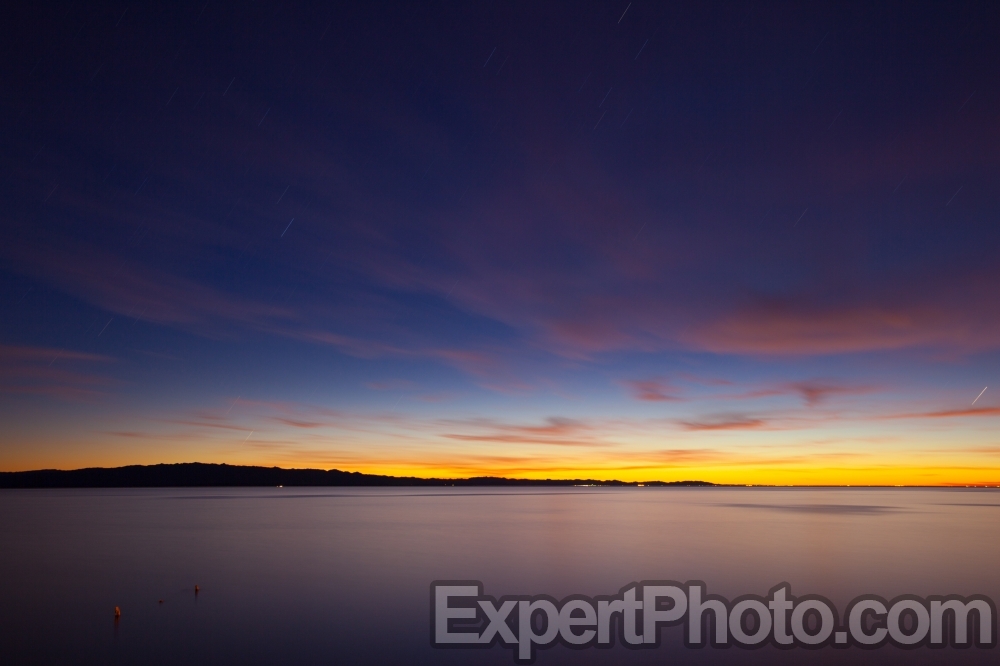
189	475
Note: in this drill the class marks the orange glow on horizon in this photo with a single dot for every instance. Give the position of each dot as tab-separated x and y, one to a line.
885	473
823	451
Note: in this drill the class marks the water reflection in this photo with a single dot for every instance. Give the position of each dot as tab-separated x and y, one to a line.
342	575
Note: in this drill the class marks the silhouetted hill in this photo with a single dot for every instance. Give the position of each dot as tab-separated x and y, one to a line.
202	474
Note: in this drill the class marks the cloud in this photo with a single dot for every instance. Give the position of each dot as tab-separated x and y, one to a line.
814	393
297	423
51	372
485	365
685	456
145	292
509	438
357	347
554	431
791	329
204	423
950	413
725	422
988	450
652	390
146	436
704	381
13	353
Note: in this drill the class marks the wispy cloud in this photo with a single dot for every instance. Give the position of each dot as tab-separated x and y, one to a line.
554	431
950	413
793	329
653	390
485	365
298	423
127	288
725	422
56	373
813	392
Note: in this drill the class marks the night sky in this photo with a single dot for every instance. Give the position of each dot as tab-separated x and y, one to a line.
736	242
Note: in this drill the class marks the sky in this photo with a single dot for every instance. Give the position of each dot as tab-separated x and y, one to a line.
733	242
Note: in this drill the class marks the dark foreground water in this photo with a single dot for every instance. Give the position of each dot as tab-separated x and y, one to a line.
339	576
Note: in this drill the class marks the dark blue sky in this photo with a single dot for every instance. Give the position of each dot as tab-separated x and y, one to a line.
527	238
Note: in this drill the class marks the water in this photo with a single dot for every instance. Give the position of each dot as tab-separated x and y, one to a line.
334	575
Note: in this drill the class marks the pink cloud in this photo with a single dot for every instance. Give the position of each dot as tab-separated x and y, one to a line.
783	330
951	413
814	393
554	431
725	422
298	423
51	372
652	390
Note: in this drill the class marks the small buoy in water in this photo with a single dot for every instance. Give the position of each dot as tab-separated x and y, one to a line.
118	612
161	601
196	589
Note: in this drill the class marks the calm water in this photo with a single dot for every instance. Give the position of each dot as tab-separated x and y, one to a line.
330	575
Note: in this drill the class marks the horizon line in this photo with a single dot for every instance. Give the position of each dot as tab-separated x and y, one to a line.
487	478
